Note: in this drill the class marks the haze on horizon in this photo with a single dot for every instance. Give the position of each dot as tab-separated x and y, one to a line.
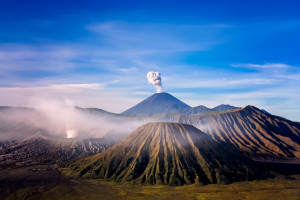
98	54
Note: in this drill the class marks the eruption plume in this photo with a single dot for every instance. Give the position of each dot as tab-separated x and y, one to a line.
155	79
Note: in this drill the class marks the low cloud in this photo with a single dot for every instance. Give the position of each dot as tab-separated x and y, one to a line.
83	95
62	119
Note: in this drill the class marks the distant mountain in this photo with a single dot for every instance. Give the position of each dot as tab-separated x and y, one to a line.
164	103
224	107
96	111
259	134
199	109
168	153
158	103
193	110
202	109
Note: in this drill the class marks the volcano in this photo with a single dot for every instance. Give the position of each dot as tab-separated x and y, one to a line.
168	153
258	134
158	103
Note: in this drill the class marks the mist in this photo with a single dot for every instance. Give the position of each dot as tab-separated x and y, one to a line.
61	118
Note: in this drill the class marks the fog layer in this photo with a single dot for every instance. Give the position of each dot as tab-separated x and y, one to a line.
60	118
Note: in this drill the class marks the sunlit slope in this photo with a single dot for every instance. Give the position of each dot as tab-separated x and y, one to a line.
168	153
259	134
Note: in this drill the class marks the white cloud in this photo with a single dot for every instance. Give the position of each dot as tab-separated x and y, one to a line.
47	57
289	76
263	66
129	69
145	39
83	95
219	83
76	87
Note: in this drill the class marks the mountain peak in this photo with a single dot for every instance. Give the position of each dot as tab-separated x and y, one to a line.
224	107
157	103
250	108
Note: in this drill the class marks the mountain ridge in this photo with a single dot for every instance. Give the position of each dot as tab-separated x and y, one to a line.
260	135
160	103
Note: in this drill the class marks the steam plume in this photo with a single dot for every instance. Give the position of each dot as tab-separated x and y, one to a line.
155	79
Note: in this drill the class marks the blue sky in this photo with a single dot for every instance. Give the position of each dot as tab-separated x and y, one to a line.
97	53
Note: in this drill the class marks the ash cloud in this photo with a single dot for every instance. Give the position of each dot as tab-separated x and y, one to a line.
155	79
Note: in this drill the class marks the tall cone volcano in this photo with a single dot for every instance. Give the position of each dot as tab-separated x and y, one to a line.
168	153
157	103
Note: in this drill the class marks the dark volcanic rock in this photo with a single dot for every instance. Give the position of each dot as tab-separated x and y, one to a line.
45	150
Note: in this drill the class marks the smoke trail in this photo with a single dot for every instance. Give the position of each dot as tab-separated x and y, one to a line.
155	79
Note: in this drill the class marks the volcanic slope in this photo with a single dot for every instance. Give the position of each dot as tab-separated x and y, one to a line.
41	149
168	153
157	103
259	134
